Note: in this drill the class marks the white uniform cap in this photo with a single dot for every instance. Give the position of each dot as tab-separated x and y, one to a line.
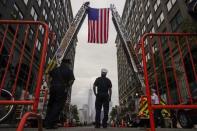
103	70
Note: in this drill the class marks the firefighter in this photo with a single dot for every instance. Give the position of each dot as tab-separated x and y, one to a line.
159	121
62	79
103	97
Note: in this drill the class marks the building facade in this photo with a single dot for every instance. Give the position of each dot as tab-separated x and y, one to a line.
145	16
57	14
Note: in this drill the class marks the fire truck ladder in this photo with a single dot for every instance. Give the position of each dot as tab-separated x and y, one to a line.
68	37
129	50
122	33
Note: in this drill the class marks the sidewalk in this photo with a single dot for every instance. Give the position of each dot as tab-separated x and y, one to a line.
101	129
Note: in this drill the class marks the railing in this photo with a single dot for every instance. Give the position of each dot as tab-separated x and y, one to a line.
170	66
23	46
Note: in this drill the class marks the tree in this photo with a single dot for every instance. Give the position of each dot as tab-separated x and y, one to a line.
113	113
74	112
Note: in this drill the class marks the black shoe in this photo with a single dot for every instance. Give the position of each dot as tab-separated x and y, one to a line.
51	127
104	126
97	126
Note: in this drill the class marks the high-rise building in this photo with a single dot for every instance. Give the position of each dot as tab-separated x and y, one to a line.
57	14
90	105
85	113
140	17
81	115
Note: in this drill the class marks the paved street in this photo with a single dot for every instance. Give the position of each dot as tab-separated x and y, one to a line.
101	129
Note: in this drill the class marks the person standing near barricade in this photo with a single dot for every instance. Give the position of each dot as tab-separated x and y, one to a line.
103	97
157	113
62	79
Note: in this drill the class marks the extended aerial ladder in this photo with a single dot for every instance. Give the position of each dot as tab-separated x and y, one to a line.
68	37
122	33
129	50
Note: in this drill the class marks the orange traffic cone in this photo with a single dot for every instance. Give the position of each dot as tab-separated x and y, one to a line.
148	129
113	124
122	123
66	124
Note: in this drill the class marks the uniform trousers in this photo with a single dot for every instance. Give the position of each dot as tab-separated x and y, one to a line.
55	105
102	100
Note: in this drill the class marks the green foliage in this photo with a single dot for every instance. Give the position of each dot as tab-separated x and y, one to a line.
74	112
113	113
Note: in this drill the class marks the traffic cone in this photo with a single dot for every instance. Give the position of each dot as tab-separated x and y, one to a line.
113	124
148	129
66	124
122	123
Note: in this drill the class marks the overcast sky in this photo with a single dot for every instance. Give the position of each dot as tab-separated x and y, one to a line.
90	58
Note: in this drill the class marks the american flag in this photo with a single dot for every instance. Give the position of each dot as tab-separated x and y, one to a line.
98	25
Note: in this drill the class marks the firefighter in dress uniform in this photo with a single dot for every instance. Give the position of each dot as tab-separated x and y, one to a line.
103	97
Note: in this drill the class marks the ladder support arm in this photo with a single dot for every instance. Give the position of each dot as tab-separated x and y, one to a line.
130	52
68	38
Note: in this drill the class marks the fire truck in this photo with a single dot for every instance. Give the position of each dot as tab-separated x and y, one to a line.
142	118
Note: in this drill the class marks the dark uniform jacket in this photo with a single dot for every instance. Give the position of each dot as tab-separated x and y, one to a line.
61	76
103	84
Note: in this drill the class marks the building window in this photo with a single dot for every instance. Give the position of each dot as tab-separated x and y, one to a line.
16	13
58	14
31	33
49	60
21	15
147	56
160	19
55	4
44	14
143	29
56	25
41	29
48	2
59	32
149	18
156	5
39	2
170	3
134	36
138	39
152	30
147	5
52	49
33	13
38	45
26	1
176	21
154	48
141	18
52	14
137	27
50	26
135	18
61	24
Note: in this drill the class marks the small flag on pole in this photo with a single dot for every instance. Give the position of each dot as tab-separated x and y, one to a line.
98	25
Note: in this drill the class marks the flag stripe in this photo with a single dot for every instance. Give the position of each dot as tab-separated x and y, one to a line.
105	25
101	21
88	31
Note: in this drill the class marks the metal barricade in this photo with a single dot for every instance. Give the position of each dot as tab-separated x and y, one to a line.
23	46
170	66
